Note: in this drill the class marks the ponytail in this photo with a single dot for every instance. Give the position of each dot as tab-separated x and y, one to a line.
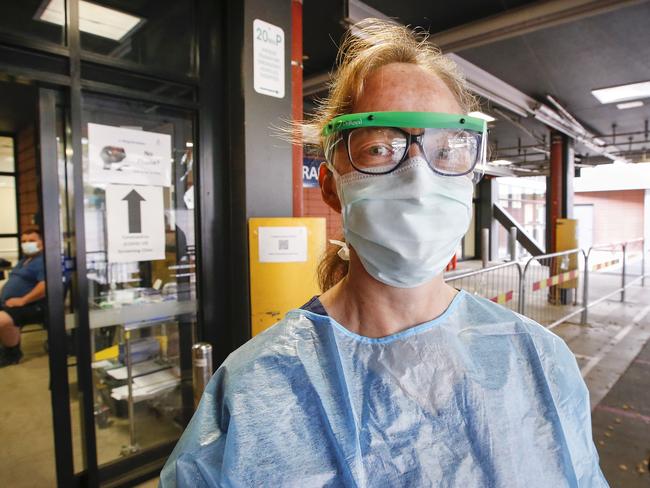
332	268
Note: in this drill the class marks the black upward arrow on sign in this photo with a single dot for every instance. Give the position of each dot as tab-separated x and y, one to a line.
133	198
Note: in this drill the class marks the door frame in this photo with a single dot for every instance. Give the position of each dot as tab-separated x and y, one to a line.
137	467
56	71
55	316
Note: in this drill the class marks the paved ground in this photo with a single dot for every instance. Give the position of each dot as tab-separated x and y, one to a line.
621	426
613	353
26	422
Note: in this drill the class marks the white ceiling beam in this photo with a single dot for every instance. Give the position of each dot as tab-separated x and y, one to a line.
523	20
495	89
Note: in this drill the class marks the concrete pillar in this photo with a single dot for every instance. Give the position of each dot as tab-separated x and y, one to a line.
266	158
250	167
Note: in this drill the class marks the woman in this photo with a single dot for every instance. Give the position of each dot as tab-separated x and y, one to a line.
391	377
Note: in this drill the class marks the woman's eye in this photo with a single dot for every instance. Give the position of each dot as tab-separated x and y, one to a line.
378	150
443	153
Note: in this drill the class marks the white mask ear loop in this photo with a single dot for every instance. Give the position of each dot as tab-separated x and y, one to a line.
344	252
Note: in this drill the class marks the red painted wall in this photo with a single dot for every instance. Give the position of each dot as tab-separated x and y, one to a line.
618	215
313	206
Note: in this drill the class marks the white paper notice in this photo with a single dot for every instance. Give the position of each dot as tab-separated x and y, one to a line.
134	157
282	244
268	59
135	223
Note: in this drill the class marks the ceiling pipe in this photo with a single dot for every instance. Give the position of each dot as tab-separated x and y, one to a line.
563	111
553	119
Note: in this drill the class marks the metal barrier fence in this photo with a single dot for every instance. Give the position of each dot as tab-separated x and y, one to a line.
553	288
499	283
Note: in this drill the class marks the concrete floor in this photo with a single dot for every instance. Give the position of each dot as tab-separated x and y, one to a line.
621	426
26	422
613	352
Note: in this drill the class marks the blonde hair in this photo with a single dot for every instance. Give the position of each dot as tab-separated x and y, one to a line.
367	46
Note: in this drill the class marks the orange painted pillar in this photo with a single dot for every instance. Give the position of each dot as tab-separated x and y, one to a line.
296	97
555	189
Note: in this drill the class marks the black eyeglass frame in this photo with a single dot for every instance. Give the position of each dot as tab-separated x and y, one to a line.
410	139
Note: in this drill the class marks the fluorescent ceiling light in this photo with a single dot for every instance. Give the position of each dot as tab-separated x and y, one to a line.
481	115
623	93
93	19
626	105
500	162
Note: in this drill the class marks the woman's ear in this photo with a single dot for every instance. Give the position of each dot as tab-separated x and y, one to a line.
328	188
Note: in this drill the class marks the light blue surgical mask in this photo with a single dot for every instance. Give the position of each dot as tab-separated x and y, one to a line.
405	226
29	248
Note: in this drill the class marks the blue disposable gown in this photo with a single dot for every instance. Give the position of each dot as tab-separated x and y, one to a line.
478	397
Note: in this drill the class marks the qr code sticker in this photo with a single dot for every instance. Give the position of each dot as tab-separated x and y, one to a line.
283	245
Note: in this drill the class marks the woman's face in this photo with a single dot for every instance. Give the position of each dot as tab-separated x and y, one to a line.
400	87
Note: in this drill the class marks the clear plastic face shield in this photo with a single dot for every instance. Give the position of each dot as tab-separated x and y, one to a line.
377	143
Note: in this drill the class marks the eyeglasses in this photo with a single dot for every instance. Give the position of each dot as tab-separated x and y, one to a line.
451	144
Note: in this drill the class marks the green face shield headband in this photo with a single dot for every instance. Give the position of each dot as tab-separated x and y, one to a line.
378	142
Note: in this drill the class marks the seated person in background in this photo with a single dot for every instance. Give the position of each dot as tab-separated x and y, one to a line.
22	297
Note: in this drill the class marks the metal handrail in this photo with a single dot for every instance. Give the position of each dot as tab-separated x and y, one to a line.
553	255
479	271
618	243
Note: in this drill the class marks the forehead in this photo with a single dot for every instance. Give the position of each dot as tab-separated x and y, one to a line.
405	88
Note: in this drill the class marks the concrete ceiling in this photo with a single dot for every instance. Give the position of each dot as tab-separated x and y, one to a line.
566	61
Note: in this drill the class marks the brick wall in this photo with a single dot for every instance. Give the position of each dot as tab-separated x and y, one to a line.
28	178
618	215
314	206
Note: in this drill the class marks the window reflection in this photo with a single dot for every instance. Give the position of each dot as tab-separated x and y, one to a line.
141	263
157	34
94	19
525	200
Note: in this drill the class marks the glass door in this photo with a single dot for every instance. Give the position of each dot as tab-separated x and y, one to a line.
138	212
121	281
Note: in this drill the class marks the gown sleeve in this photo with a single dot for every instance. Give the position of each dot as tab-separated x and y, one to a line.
197	459
572	403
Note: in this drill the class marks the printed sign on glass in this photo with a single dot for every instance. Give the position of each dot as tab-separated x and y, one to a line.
135	223
130	156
